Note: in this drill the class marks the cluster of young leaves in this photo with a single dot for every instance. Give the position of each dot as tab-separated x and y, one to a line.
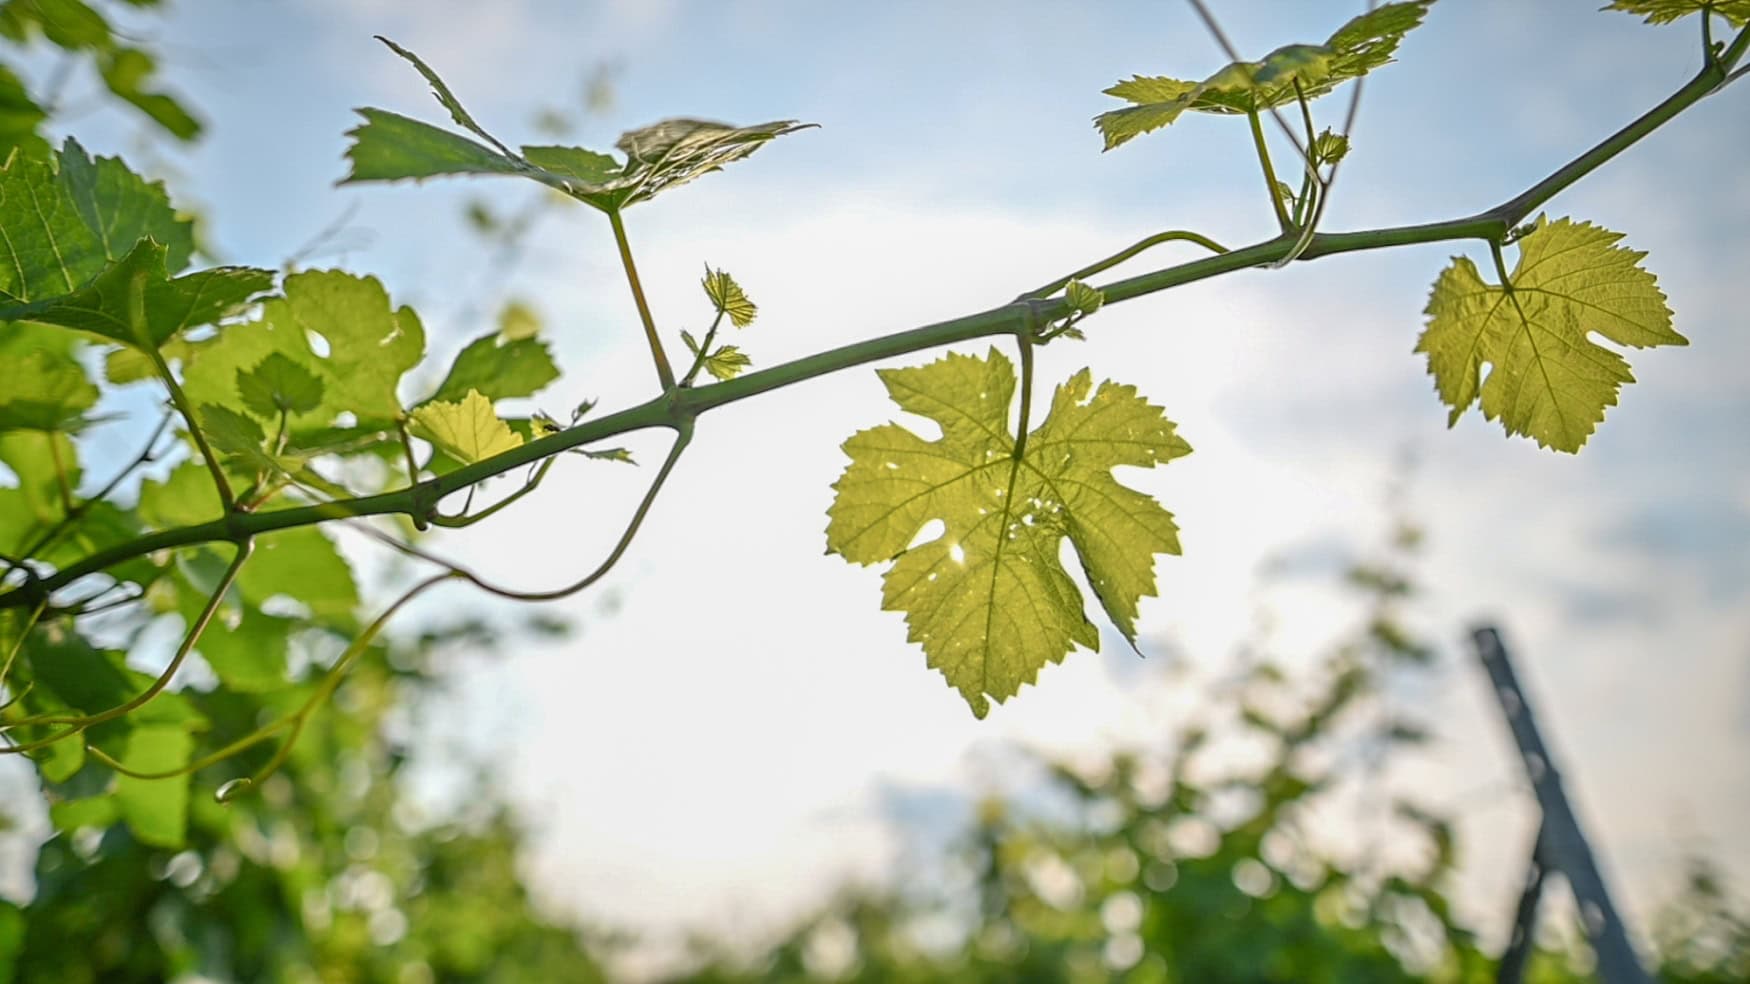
988	599
283	384
1548	380
126	69
1289	74
391	147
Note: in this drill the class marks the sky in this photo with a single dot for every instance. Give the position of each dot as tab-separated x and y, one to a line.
728	732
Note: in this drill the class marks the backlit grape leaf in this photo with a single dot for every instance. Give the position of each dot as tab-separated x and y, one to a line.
468	430
156	809
674	152
279	385
44	391
65	225
989	599
369	345
1548	380
728	298
104	306
1363	44
499	369
1736	12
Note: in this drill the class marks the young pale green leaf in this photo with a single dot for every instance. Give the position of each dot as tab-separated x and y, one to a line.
1736	12
106	304
156	809
1363	44
1330	148
469	430
727	362
498	369
391	147
66	220
1548	380
728	298
369	345
444	95
989	599
278	385
44	391
1082	299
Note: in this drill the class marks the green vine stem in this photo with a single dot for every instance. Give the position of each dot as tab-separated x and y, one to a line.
663	373
1100	266
675	406
1270	183
77	723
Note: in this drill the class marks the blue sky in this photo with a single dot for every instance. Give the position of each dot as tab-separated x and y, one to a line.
739	714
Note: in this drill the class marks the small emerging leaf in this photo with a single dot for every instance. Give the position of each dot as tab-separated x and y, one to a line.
728	298
1548	381
468	431
727	362
1082	299
989	600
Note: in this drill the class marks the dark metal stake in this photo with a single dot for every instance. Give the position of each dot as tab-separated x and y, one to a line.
1560	843
1524	938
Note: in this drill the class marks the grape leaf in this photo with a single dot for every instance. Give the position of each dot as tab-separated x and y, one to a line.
989	599
444	95
64	225
1548	380
389	147
278	385
1363	44
725	362
370	344
1736	12
249	657
156	809
104	306
499	369
44	391
728	298
468	431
